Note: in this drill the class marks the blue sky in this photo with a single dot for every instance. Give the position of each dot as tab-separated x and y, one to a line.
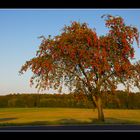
20	28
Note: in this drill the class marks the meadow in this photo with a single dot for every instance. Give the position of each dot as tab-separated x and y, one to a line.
65	116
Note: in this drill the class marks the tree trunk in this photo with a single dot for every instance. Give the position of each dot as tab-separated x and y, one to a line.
98	103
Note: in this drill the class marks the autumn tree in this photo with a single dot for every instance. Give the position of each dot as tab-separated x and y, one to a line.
84	61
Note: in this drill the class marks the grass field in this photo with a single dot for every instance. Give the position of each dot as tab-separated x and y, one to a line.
56	116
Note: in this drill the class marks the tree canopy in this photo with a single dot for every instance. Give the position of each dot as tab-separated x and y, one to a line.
79	57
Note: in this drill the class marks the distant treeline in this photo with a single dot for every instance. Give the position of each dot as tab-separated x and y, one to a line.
119	99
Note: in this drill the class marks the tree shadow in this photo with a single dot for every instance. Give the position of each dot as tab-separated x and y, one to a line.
7	119
70	121
42	123
113	121
59	122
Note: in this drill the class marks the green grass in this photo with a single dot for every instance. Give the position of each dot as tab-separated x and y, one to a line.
65	116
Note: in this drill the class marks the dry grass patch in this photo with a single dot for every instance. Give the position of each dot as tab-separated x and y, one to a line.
50	116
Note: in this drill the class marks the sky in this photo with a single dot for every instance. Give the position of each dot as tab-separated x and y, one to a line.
20	29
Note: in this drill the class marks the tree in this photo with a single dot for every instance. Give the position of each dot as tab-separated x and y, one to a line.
84	61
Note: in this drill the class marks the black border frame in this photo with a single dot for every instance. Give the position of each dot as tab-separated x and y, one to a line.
69	4
64	4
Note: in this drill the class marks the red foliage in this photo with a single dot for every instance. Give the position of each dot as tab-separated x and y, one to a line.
80	45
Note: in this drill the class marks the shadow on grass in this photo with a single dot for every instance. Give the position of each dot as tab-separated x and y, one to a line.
7	119
108	121
113	121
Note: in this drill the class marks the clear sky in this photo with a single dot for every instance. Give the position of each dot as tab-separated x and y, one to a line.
20	28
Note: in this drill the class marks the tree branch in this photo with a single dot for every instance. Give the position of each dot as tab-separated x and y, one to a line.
73	73
88	82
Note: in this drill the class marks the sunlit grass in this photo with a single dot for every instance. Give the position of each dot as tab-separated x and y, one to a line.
56	116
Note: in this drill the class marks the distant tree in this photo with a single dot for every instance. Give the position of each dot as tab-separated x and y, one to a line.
3	101
44	103
84	61
12	102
